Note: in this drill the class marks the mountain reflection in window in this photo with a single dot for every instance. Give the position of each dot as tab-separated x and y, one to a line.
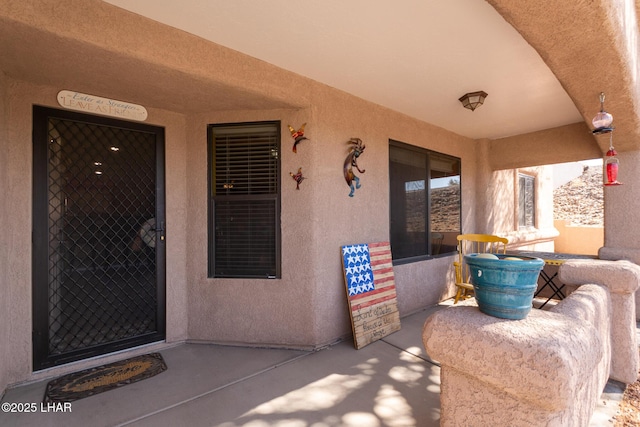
415	201
425	202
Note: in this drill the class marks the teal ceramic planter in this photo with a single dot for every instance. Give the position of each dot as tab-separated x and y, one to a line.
504	288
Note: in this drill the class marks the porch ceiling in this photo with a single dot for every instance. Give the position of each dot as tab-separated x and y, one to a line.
417	57
39	61
543	64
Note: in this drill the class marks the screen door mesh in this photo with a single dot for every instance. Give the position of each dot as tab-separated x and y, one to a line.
102	231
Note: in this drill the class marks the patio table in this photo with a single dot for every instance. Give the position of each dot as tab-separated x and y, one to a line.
555	259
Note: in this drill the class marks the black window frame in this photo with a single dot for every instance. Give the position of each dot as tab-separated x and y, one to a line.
427	207
244	202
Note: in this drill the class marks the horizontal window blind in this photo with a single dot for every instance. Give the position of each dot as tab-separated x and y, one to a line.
245	238
246	161
245	200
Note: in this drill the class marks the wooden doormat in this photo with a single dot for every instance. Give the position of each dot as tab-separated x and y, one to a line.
107	377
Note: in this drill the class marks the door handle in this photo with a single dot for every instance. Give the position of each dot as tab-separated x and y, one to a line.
160	230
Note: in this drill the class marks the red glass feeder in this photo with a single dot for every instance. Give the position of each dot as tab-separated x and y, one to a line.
602	123
611	164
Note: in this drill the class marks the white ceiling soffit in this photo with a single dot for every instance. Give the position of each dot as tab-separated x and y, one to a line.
416	56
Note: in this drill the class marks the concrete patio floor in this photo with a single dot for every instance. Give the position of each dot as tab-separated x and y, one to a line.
391	382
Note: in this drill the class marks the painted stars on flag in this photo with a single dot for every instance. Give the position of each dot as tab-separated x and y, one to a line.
357	267
371	291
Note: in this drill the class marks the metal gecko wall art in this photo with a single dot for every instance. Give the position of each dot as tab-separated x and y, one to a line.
357	147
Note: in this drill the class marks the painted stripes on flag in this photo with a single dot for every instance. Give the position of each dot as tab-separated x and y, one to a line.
369	273
371	291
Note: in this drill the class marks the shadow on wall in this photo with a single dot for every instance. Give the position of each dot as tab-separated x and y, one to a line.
499	200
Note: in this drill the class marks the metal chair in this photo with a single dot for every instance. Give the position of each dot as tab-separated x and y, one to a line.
473	243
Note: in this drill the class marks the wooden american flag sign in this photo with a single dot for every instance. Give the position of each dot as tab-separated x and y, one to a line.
371	291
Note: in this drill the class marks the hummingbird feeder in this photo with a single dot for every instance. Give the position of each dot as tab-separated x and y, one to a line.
611	164
602	124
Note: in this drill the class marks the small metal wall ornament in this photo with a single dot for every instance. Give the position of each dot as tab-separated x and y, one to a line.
357	147
297	177
297	135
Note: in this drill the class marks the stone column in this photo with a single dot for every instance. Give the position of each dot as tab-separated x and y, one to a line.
622	278
621	215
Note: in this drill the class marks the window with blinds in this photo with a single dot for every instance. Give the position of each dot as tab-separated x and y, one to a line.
245	200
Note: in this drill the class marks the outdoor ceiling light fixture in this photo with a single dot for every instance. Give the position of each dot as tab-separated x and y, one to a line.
473	100
602	124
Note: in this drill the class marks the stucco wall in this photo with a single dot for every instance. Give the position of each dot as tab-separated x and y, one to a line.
621	235
621	205
176	167
187	83
308	307
16	319
5	303
568	143
497	207
578	239
17	200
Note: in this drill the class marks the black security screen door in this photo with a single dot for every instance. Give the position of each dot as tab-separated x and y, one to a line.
98	236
